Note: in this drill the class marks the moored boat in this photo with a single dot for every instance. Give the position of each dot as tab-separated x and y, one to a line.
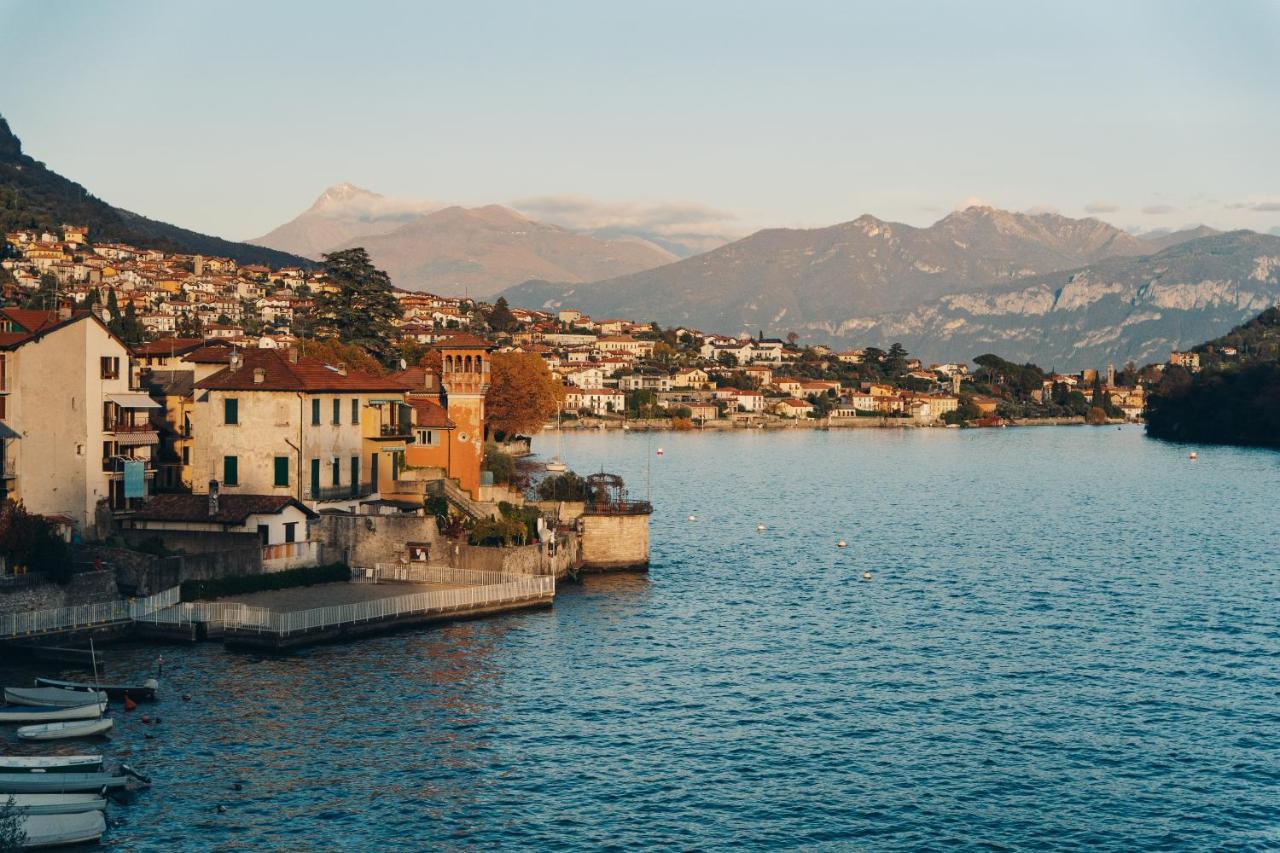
60	783
60	830
67	729
51	713
59	697
37	804
50	763
136	692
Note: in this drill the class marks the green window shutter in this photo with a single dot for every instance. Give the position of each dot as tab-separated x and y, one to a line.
282	471
231	470
315	478
315	412
355	411
337	410
230	410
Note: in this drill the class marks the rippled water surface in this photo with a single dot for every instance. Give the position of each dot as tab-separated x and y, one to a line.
1071	641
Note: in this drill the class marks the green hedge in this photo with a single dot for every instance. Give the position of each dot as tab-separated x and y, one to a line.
195	590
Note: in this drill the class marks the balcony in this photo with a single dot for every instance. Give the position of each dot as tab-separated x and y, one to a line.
341	493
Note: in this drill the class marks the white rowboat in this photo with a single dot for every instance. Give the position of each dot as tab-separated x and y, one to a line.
60	731
59	697
51	713
37	804
50	763
60	783
60	830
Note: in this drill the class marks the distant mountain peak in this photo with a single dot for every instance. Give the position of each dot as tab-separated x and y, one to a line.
342	193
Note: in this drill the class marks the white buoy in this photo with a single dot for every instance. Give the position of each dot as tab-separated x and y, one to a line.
693	518
840	544
626	428
1191	455
759	527
866	576
659	451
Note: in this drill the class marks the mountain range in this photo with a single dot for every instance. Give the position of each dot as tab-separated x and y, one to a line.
34	196
457	251
1040	287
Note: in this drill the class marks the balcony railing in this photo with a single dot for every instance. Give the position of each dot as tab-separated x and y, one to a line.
395	430
129	426
341	493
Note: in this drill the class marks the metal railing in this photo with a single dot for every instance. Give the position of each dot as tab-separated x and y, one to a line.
435	601
85	615
341	493
208	612
422	573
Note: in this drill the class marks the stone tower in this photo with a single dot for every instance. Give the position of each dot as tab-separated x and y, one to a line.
464	379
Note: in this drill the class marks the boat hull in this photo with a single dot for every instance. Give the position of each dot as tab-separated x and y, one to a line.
137	692
50	763
65	730
60	783
51	714
45	804
55	697
60	830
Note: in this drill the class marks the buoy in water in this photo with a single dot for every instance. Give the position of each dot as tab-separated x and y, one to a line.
866	576
1191	455
693	518
659	451
759	527
840	544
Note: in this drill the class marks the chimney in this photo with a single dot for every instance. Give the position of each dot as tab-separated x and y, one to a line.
342	368
213	497
237	360
64	312
259	376
293	355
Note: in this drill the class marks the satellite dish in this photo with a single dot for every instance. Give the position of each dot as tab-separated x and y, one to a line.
403	364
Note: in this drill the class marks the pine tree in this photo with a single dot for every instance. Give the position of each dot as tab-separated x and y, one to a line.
364	306
500	318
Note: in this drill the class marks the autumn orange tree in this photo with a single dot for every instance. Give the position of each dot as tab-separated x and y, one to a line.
333	351
522	394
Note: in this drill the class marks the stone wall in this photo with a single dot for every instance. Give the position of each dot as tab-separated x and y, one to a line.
222	555
613	542
535	559
94	587
365	540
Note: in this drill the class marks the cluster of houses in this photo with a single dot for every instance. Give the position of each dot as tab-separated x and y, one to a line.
201	434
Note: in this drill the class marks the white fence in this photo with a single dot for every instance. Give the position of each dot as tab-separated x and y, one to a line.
511	589
190	613
85	615
422	573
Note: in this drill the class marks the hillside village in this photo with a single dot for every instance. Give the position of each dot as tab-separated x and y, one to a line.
196	379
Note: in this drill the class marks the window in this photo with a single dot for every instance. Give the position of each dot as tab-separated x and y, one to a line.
230	470
264	533
282	471
315	478
427	437
355	474
186	455
291	531
336	469
315	412
337	410
109	365
231	411
355	407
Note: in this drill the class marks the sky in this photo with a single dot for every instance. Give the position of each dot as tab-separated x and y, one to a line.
231	118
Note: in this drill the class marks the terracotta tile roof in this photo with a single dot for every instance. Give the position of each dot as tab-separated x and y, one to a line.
168	346
281	374
29	319
209	354
232	509
416	377
462	341
430	414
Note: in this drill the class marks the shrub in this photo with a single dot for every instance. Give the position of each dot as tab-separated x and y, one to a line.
1096	416
498	532
526	515
500	463
682	413
195	590
27	539
681	424
564	487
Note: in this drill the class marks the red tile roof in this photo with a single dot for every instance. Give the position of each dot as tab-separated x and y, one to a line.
462	341
430	414
307	374
29	319
232	509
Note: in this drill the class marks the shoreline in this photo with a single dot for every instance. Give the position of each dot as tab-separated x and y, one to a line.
664	425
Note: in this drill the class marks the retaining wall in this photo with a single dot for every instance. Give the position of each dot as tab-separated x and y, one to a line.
614	542
366	540
84	588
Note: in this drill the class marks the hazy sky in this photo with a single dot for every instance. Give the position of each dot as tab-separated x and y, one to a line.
231	118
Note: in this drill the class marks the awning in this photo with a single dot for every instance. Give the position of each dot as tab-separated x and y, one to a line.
128	439
7	432
134	401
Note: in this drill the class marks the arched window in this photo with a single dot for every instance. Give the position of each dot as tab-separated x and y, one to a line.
479	364
448	364
467	363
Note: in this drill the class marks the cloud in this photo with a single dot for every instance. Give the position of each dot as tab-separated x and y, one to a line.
1259	206
345	201
1158	209
1101	207
973	201
1043	208
584	214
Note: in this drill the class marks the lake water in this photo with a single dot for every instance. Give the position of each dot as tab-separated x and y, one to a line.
1071	641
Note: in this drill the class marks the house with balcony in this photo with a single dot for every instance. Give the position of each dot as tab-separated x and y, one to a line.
275	423
77	433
